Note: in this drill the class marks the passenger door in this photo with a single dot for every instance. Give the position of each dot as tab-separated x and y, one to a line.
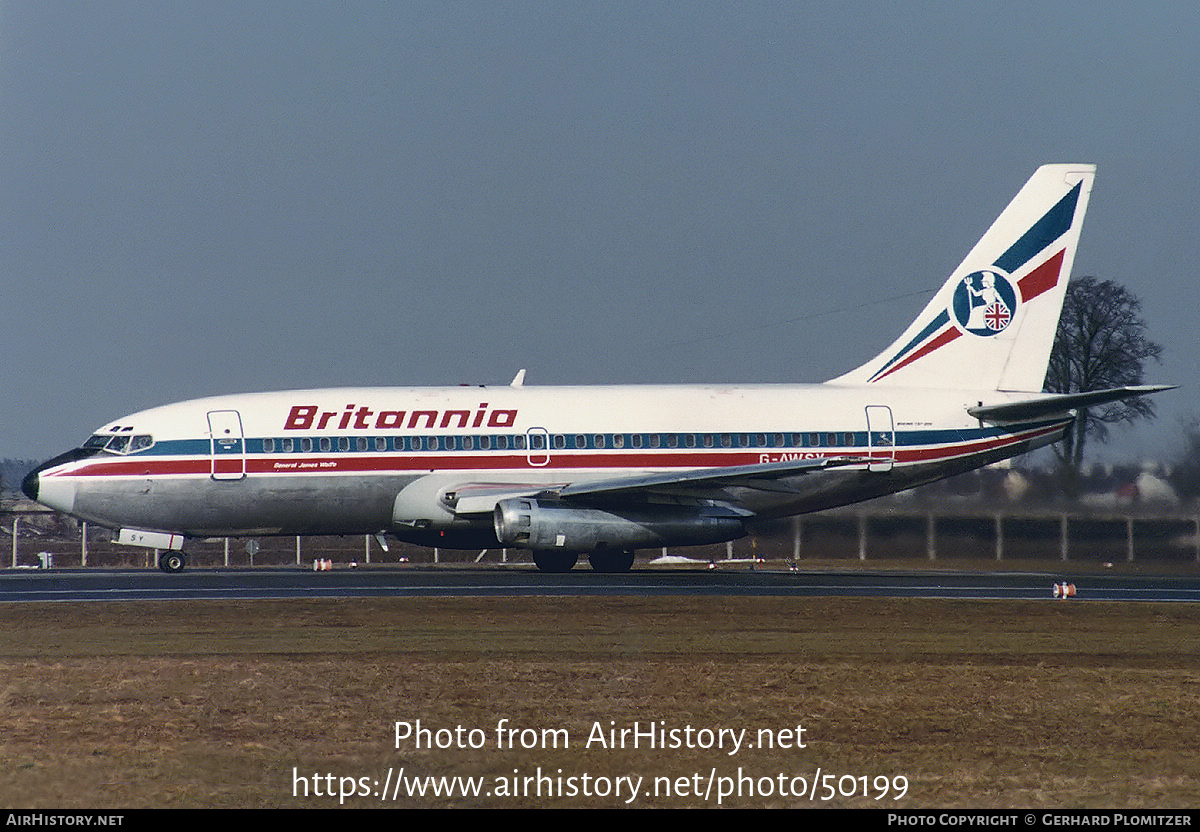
881	438
228	445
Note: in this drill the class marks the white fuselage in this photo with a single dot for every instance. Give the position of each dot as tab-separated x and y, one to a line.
368	460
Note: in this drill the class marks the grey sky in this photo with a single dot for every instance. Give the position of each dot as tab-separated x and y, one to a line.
198	198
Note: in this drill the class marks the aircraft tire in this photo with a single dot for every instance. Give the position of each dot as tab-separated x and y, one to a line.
555	561
611	562
172	562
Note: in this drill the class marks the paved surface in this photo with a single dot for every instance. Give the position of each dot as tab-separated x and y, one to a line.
130	584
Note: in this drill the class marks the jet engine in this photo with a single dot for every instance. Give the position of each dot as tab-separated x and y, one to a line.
527	523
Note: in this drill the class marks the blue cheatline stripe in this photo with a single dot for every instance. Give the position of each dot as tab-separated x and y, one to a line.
935	325
1045	231
738	442
917	438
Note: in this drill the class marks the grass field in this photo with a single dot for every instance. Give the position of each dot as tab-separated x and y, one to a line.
975	704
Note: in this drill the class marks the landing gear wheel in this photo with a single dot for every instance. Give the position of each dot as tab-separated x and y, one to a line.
555	561
172	561
609	561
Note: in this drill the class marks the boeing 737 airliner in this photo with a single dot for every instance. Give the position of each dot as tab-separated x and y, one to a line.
604	471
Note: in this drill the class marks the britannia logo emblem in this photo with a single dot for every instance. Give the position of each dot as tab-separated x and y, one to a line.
984	303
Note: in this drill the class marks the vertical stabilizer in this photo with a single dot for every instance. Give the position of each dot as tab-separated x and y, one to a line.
992	324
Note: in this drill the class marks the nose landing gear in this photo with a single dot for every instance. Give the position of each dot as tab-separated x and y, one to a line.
172	561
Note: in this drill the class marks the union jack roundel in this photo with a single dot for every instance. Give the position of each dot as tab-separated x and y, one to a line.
984	303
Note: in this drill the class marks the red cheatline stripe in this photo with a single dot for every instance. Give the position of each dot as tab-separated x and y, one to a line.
943	339
1041	279
946	451
403	463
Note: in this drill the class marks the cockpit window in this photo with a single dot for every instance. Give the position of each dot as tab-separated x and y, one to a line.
121	443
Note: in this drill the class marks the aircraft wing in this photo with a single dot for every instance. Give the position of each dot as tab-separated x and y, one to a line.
477	498
1052	404
481	497
763	476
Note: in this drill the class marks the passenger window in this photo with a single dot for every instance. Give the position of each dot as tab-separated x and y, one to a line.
343	443
286	445
325	443
380	443
306	445
268	445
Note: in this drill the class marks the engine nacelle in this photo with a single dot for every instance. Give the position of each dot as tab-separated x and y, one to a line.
526	523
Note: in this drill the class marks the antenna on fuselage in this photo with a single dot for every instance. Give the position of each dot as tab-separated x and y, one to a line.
518	379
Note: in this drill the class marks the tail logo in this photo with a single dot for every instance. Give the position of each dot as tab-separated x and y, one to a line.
984	296
984	303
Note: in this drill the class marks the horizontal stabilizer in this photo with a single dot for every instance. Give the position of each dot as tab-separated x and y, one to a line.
1056	403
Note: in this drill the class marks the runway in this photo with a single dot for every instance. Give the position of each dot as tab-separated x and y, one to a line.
76	585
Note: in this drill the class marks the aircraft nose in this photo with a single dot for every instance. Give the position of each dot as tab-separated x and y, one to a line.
56	492
29	485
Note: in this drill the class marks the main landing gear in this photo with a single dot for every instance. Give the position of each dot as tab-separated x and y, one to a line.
606	561
551	561
172	561
610	561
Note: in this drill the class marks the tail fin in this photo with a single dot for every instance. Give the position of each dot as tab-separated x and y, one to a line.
992	324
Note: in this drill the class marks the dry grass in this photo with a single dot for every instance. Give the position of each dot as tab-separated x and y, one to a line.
981	704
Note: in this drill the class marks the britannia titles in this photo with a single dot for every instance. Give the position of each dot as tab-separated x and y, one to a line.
355	417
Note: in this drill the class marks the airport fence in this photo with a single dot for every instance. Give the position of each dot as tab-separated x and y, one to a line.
951	537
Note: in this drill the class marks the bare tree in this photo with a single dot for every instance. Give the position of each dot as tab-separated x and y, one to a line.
1101	343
